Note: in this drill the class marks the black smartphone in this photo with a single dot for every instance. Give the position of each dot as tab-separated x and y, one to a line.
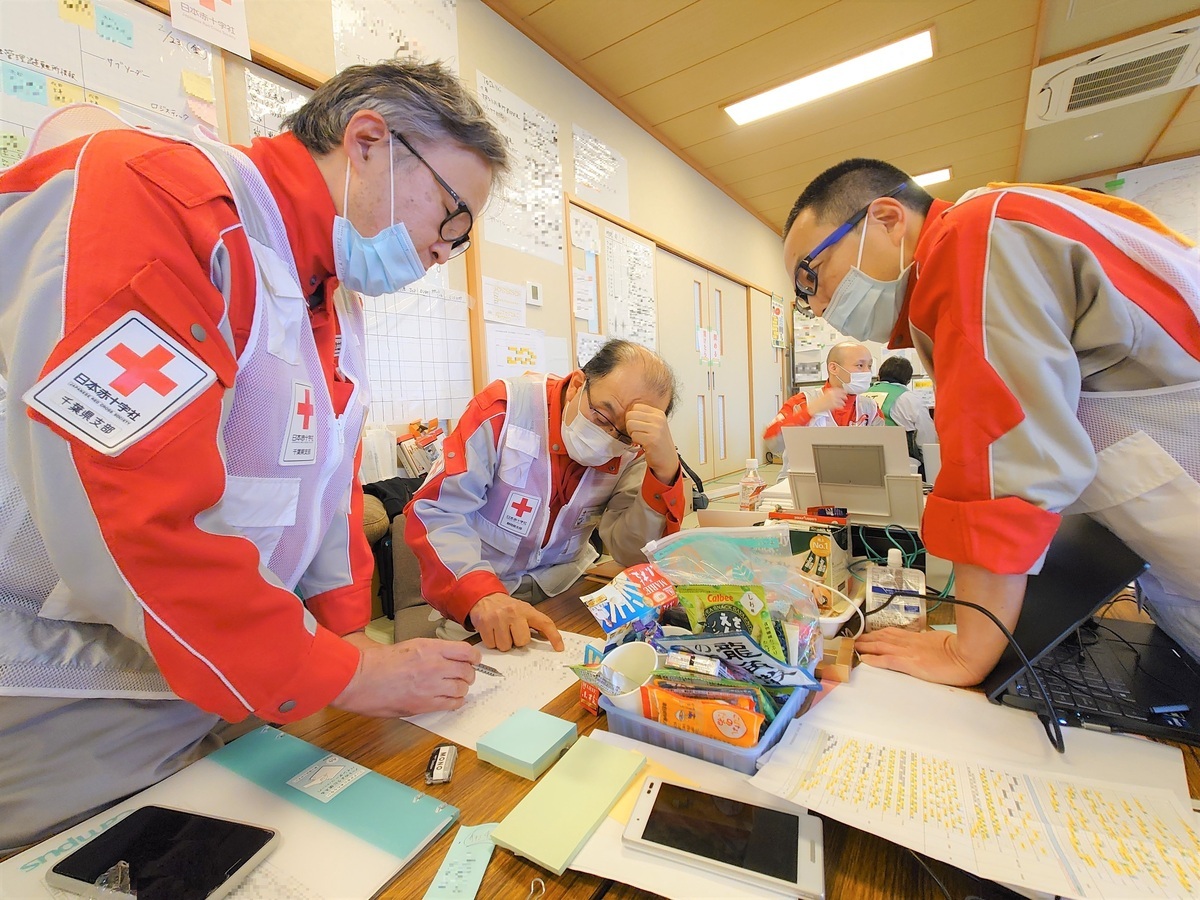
158	852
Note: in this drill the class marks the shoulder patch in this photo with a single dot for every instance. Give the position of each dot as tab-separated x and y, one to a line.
120	386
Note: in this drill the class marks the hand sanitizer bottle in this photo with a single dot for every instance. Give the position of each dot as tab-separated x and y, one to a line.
751	487
902	612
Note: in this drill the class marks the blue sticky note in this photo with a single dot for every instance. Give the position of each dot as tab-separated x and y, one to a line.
113	27
23	83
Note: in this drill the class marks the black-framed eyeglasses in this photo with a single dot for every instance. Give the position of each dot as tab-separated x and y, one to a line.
456	227
805	276
606	422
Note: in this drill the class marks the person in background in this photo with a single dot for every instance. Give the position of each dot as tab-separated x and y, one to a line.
900	406
534	467
841	400
184	388
1062	329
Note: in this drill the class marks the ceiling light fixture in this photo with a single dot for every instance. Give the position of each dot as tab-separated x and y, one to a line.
844	75
936	177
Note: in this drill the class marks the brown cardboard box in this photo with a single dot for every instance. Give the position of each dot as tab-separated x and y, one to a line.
837	661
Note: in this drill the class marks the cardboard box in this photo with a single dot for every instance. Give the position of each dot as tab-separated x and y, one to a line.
822	543
837	661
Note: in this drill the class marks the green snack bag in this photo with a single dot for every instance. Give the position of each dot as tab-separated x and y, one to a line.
726	608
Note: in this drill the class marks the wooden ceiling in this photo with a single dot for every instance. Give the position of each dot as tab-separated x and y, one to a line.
672	65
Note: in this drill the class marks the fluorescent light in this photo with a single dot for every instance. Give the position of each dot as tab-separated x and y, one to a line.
844	75
933	177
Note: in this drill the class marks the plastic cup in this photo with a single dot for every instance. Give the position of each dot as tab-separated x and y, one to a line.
630	666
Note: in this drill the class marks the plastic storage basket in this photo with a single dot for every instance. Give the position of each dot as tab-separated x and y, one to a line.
740	759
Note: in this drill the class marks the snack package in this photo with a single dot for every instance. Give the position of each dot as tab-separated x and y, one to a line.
709	718
748	556
635	596
726	608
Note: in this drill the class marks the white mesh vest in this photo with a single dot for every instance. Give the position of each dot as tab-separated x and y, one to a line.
288	460
513	518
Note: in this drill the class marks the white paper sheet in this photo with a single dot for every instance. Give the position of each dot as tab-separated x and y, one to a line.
512	351
503	302
533	676
945	773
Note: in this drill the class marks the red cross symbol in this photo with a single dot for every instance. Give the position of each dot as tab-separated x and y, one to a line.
211	5
141	370
522	507
306	409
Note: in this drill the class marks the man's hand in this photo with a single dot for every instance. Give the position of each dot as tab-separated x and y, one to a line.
504	622
647	425
827	401
930	655
421	675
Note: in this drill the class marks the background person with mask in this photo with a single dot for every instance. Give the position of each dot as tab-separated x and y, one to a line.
184	388
536	465
1062	329
842	400
900	406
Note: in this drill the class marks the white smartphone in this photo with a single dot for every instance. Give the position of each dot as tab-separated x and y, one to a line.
164	853
772	845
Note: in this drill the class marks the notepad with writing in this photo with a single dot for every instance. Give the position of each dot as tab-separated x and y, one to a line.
344	830
563	810
526	743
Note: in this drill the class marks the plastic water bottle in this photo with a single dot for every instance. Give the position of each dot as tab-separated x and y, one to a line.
751	487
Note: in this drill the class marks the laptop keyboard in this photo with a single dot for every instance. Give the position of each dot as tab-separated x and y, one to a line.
1074	681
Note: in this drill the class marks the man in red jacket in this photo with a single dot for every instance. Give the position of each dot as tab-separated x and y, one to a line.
1062	329
184	387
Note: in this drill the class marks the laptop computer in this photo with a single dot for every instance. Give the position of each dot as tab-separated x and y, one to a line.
1103	674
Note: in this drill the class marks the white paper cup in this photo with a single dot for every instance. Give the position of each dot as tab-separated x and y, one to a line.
630	666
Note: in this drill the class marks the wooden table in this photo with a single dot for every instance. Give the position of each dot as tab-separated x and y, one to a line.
858	865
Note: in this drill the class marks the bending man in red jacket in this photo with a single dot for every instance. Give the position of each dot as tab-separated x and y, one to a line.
1062	329
184	387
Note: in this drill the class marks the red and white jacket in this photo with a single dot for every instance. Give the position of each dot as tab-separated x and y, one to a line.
172	563
509	450
1062	330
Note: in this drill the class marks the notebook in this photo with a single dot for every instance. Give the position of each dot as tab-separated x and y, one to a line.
1103	674
562	810
526	743
344	830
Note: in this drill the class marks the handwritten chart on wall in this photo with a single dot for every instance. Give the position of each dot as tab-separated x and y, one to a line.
367	31
1170	190
114	53
526	214
601	173
629	288
418	352
270	98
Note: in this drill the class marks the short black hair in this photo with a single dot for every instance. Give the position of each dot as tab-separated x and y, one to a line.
896	369
659	377
842	190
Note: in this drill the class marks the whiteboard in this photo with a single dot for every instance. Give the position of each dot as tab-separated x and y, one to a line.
116	53
1170	190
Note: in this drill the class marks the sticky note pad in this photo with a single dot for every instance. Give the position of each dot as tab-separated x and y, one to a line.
526	743
562	810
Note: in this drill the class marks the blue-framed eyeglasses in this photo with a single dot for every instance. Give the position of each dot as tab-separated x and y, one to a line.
805	276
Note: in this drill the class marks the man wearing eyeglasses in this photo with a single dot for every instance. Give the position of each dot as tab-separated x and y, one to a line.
184	388
1062	329
534	467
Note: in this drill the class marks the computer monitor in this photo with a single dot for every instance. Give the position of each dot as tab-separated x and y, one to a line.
866	470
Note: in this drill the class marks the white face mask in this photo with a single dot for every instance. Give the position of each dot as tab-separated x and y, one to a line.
382	264
859	381
863	307
586	442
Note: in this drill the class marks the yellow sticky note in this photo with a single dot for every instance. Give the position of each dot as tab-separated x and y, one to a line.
100	100
78	12
198	86
62	93
624	806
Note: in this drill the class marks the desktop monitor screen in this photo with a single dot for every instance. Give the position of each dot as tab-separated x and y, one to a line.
865	470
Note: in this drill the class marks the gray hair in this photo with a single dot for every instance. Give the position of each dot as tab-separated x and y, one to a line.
425	102
656	372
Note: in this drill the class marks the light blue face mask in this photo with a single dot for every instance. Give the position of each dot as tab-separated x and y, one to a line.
866	308
376	265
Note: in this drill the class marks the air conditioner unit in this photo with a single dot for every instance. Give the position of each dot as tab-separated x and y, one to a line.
1158	61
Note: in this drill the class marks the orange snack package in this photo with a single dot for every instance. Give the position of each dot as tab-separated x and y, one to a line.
736	724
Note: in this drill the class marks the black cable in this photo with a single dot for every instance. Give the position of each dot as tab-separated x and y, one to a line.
1052	722
917	856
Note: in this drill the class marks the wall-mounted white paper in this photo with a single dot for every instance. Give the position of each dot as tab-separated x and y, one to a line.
601	174
220	22
513	351
583	292
587	346
367	31
503	302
